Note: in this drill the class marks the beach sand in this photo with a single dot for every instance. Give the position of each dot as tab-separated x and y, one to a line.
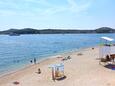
80	70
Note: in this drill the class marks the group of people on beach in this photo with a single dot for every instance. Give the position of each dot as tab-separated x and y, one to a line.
33	61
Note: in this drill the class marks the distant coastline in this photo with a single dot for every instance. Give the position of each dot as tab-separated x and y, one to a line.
55	31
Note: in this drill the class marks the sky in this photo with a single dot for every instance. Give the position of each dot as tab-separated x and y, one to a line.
57	14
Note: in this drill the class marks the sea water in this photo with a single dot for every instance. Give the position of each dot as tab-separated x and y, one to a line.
17	51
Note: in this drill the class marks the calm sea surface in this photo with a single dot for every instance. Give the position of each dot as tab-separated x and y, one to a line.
17	51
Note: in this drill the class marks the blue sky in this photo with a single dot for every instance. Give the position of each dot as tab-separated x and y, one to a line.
66	14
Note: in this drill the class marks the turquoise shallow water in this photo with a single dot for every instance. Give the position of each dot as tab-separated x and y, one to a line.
17	51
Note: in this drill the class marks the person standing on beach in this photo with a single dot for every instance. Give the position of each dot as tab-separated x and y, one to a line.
39	71
30	61
34	60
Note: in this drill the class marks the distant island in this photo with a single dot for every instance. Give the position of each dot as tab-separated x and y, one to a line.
55	31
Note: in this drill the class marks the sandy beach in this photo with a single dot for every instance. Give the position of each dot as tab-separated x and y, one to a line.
80	70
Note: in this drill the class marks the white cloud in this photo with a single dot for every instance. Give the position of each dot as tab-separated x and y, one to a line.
75	7
6	13
72	6
72	3
24	7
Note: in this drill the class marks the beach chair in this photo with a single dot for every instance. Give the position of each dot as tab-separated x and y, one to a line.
112	57
105	60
